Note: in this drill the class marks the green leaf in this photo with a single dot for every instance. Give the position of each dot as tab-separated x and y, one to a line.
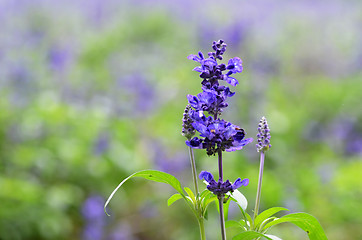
266	214
226	209
248	218
239	198
233	223
250	235
173	198
191	194
152	175
306	222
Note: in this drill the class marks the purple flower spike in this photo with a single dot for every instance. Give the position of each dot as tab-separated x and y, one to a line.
215	134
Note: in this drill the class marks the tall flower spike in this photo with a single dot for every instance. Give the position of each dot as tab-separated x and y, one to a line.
263	136
187	129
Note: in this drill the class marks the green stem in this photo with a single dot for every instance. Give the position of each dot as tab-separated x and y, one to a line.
222	220
199	216
261	168
193	169
202	228
221	198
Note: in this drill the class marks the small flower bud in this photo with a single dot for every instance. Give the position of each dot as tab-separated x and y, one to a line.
187	129
263	136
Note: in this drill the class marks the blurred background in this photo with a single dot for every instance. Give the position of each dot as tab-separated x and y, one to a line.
94	90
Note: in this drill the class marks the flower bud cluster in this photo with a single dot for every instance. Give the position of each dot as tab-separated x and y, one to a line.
263	136
187	129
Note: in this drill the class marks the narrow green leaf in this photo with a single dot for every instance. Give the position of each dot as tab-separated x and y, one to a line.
204	193
152	175
233	223
226	209
267	213
249	219
207	202
191	194
173	198
250	235
306	222
263	223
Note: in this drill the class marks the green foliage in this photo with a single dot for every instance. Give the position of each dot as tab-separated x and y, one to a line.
264	216
265	220
153	175
304	221
174	198
250	235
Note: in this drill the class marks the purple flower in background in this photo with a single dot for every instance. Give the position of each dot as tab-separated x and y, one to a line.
220	188
101	144
59	58
93	214
93	208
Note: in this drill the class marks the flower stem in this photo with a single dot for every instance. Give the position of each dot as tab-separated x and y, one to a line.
221	198
202	228
200	218
193	169
219	153
222	220
261	168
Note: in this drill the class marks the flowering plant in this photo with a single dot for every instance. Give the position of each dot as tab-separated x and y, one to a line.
202	115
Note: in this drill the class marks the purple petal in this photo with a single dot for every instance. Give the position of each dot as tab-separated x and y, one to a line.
194	143
238	183
198	69
194	101
207	97
230	131
206	176
239	145
201	128
194	58
232	81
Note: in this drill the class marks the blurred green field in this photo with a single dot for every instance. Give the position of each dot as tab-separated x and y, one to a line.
92	91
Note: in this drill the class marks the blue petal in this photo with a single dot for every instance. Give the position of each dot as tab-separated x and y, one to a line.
194	58
238	183
206	176
230	131
245	142
235	65
194	101
201	128
198	69
194	143
232	81
207	97
239	145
